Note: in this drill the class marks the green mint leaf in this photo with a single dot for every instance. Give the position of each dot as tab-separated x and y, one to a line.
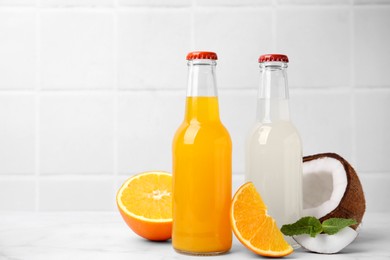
306	225
333	225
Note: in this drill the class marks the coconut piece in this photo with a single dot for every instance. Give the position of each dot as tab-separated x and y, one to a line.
327	244
331	188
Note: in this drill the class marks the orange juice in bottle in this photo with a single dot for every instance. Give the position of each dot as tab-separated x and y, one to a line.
202	173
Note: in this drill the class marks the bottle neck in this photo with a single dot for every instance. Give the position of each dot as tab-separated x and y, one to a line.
273	95
201	78
202	100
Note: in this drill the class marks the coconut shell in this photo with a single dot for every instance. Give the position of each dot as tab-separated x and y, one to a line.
353	203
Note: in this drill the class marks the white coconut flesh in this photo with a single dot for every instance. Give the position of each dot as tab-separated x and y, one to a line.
328	244
324	185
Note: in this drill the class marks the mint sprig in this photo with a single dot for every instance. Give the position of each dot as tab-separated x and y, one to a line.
306	225
312	226
333	225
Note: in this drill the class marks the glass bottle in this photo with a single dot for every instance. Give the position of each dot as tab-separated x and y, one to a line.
202	155
273	150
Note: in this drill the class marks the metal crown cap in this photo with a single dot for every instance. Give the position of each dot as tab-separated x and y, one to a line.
199	55
273	57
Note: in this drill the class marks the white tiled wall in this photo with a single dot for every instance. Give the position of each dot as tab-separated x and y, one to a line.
151	46
76	49
92	91
76	133
146	124
318	41
17	133
18	49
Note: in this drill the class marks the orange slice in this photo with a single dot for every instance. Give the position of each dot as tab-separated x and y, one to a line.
251	224
145	203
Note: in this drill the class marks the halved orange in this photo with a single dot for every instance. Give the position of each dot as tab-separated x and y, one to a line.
253	227
145	203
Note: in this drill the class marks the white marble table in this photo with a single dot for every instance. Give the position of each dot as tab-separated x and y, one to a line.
96	235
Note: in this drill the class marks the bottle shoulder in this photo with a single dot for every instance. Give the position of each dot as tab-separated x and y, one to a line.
215	126
278	131
282	124
201	131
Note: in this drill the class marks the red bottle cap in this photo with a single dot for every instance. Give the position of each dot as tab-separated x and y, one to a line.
199	55
273	57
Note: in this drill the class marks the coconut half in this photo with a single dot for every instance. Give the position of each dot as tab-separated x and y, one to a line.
328	244
331	188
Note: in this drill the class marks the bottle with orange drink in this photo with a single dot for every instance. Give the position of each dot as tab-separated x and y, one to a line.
202	168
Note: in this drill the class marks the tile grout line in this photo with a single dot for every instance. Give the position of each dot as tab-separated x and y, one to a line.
167	89
37	106
116	97
352	83
274	25
192	24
